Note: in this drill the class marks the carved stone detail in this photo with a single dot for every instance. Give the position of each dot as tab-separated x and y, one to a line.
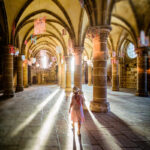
68	59
78	50
103	31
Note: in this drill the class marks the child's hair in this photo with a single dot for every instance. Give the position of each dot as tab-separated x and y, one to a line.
75	90
77	98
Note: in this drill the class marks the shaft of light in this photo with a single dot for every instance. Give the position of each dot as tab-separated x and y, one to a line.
32	116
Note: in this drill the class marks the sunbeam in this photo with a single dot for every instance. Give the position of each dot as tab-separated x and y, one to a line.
47	126
32	116
70	140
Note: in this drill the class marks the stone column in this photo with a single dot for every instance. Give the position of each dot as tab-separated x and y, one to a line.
89	75
25	75
63	76
142	58
29	75
115	74
59	74
68	73
99	103
19	74
42	77
83	73
148	72
78	67
121	74
8	73
39	78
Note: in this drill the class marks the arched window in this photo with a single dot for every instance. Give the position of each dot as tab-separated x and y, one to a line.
131	51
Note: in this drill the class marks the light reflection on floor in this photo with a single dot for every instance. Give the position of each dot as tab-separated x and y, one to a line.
53	132
35	112
46	129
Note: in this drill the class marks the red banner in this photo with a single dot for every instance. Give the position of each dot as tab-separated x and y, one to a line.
25	42
11	49
39	25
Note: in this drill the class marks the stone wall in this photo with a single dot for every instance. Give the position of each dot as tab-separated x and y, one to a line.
148	72
129	78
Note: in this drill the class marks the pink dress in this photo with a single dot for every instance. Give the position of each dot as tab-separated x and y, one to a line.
77	109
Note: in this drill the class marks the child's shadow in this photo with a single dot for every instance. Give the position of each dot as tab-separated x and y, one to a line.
79	140
74	142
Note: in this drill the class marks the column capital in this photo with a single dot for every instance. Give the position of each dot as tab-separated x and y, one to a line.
77	50
143	51
101	30
68	58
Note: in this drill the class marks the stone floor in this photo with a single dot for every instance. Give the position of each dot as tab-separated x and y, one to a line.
37	119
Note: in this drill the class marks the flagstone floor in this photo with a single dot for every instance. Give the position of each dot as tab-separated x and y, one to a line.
38	119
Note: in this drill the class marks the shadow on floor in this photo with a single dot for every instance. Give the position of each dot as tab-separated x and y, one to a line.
74	142
77	140
80	142
110	132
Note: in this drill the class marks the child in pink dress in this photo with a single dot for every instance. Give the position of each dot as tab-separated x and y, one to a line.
76	108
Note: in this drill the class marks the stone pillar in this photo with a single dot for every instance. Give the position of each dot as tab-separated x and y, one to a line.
42	78
121	74
78	67
99	103
25	75
89	75
19	74
29	75
59	74
68	73
148	72
8	73
142	61
83	73
115	74
63	76
39	78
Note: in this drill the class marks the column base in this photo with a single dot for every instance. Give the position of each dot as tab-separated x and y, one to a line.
62	87
67	94
8	93
68	89
89	84
142	93
115	89
26	86
19	89
99	107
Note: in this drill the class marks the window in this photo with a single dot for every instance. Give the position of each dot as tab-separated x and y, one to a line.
131	51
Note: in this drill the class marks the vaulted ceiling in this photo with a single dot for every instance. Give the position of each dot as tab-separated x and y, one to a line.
127	19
